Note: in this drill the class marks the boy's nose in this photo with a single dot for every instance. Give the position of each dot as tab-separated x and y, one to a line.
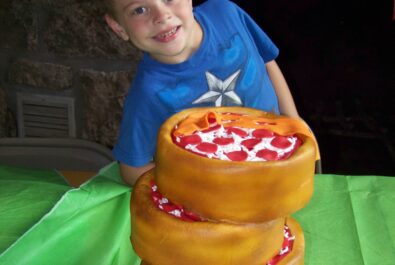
161	14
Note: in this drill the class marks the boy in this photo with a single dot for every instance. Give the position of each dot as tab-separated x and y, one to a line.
210	55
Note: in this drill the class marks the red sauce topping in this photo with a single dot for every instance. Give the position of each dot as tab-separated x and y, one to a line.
239	144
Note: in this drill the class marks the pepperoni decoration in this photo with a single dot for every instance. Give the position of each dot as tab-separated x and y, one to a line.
212	120
237	155
250	143
281	142
212	128
223	140
296	146
238	131
207	147
268	155
262	133
218	140
190	139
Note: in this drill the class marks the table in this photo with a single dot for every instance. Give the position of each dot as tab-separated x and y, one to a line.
43	220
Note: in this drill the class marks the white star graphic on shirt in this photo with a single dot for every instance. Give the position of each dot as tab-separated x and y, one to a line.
220	92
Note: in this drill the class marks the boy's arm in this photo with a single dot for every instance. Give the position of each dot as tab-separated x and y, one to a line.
131	174
285	100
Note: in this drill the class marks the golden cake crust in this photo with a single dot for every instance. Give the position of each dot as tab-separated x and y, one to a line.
296	256
240	192
161	239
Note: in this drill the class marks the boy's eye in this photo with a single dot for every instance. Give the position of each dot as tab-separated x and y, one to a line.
139	10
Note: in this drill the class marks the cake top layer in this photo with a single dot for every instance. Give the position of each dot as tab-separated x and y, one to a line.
239	137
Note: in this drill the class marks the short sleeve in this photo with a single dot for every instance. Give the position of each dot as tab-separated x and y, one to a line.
140	124
136	141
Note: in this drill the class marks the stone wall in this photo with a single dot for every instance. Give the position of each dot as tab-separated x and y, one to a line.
64	48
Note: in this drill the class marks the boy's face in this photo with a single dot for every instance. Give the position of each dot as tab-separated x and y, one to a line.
166	29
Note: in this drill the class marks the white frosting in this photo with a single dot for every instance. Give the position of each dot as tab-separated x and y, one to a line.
222	150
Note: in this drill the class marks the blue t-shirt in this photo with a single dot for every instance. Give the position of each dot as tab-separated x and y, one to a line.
228	69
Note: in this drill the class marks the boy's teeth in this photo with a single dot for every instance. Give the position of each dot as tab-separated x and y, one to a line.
167	34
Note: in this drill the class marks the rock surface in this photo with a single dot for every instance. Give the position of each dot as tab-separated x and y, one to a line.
65	48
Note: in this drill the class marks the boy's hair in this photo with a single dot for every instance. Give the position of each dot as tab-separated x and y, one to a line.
107	6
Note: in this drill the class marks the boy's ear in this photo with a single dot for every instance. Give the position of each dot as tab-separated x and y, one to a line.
116	27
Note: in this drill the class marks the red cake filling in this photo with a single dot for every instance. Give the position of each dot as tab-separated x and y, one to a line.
176	210
238	144
179	212
286	248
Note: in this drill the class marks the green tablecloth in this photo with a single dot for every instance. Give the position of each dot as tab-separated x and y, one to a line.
350	220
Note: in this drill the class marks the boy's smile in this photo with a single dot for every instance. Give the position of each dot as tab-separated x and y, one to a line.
166	29
167	36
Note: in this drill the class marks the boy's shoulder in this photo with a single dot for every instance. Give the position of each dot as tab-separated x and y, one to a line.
219	13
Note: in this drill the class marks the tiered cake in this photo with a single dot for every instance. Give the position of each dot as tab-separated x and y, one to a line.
225	183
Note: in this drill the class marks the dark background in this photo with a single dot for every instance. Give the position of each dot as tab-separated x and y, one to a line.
338	58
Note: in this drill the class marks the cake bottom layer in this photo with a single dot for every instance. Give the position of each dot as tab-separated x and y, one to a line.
295	257
162	239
